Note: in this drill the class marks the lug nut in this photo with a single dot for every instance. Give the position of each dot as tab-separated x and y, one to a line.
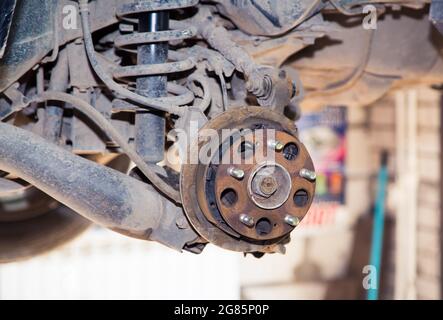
268	185
308	174
277	145
236	173
292	221
247	220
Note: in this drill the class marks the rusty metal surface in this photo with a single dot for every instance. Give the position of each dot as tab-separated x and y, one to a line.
272	87
6	12
30	36
32	33
262	17
358	71
279	202
223	55
225	230
100	194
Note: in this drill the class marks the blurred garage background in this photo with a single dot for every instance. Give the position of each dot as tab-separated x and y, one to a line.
329	250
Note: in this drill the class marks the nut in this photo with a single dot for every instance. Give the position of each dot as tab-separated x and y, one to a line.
268	185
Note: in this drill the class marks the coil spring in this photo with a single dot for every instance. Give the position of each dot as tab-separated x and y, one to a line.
127	42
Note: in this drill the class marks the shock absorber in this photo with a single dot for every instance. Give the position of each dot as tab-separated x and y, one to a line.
150	125
150	42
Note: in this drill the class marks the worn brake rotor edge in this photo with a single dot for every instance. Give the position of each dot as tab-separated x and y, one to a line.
212	229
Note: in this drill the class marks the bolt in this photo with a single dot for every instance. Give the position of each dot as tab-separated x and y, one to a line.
308	174
292	221
236	173
181	223
186	32
268	185
247	220
277	145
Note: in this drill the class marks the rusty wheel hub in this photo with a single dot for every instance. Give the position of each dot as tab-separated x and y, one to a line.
250	195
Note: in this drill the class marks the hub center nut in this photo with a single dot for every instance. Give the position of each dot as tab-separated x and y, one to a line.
269	185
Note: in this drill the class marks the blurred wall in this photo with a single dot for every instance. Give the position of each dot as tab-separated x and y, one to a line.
104	265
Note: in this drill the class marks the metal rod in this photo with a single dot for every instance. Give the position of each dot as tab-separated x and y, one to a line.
100	194
107	79
150	125
54	111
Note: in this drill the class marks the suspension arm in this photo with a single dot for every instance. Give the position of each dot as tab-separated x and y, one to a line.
100	194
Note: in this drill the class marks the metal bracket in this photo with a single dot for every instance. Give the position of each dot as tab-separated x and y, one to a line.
18	101
436	14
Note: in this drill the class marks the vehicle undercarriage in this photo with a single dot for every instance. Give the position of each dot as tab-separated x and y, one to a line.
174	120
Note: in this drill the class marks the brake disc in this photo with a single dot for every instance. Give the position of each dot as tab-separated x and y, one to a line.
254	186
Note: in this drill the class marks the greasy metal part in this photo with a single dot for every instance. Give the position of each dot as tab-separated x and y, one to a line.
331	78
277	18
17	101
151	39
5	108
220	207
269	185
276	89
150	125
107	127
30	35
166	104
436	14
32	223
268	18
25	49
154	33
6	12
361	71
267	208
272	87
100	194
153	66
54	113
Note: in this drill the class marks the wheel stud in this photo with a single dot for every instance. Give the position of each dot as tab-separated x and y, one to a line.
247	220
308	174
292	221
236	173
277	145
